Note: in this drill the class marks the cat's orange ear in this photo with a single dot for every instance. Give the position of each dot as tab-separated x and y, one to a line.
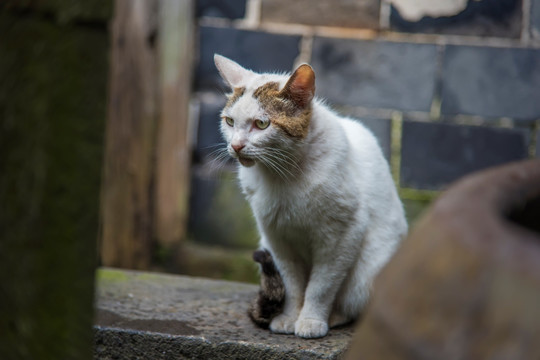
300	87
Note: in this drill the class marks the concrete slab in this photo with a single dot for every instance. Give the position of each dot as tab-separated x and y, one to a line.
142	315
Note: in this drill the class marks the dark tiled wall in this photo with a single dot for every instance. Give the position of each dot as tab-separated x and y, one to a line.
379	74
435	154
491	82
468	83
381	128
255	50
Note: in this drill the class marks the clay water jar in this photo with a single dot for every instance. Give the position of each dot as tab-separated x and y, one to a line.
465	284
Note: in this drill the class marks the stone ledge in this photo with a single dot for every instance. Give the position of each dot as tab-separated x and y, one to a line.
154	316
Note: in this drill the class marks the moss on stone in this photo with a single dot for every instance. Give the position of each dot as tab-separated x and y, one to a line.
414	209
416	202
109	275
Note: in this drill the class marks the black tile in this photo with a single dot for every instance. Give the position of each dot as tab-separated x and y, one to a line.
375	73
230	9
434	154
491	82
258	51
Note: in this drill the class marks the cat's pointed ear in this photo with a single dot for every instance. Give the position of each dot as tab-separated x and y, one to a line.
300	87
230	71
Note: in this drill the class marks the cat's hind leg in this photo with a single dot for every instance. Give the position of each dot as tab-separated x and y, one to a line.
338	318
324	283
355	293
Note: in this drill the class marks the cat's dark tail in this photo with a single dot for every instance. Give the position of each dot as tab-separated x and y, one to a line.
271	297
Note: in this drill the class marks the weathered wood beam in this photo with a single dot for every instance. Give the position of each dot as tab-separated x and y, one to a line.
145	187
173	156
127	185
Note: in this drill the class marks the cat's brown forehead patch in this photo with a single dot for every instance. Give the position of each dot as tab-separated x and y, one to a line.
283	113
237	93
266	92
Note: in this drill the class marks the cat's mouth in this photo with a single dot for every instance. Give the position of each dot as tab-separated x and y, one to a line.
246	161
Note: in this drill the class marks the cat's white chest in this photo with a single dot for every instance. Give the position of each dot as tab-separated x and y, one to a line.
276	206
300	210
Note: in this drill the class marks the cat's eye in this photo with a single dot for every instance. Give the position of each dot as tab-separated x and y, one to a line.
229	120
262	124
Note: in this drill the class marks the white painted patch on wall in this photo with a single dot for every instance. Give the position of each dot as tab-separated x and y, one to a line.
414	10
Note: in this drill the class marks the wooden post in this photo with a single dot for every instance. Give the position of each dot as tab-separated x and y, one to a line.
145	187
126	214
176	28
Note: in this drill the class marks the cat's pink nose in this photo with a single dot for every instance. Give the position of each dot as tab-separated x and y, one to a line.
238	147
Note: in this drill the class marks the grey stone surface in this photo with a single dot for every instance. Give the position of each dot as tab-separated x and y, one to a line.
434	154
492	82
500	18
231	9
375	73
343	13
154	316
258	51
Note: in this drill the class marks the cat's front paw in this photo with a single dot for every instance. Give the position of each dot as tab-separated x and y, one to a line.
310	328
283	324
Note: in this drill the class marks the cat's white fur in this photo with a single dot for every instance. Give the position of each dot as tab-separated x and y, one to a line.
326	206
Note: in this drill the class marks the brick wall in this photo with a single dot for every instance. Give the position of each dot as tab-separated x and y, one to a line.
446	95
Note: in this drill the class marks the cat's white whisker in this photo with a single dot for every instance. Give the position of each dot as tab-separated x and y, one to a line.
218	158
215	146
288	158
281	160
277	161
285	161
271	163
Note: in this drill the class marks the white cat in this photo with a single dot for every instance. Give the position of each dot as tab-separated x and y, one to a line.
321	192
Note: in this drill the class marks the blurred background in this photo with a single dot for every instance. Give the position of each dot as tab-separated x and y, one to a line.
109	119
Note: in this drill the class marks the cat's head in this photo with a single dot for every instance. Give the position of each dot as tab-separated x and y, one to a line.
266	115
